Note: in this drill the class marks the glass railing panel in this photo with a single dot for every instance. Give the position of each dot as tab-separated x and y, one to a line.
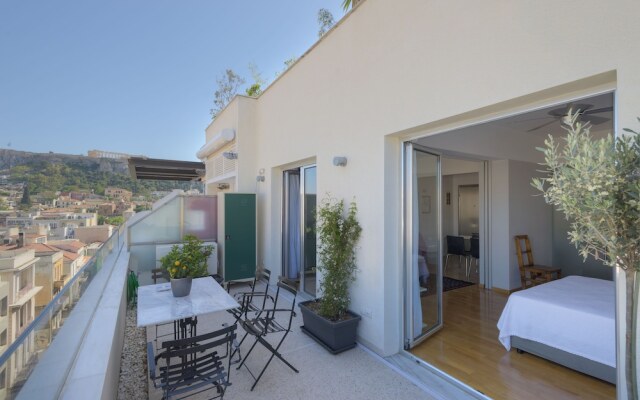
142	259
20	357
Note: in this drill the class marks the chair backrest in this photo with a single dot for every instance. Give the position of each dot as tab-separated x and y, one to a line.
455	245
475	247
294	292
158	273
523	248
191	363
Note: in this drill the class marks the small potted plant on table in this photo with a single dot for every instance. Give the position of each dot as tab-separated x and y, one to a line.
185	262
328	320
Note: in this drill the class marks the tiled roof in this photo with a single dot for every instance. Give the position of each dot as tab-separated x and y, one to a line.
68	245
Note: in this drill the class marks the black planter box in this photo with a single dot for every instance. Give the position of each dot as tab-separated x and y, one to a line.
336	337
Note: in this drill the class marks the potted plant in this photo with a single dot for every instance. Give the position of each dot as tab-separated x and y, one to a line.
185	262
328	320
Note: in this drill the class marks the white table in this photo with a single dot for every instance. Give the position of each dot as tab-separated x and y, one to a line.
156	304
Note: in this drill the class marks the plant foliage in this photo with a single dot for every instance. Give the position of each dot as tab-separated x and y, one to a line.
338	234
188	260
596	183
228	85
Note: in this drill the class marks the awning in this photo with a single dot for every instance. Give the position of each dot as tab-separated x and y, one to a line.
166	170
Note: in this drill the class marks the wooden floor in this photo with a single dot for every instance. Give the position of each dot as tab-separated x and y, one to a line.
467	348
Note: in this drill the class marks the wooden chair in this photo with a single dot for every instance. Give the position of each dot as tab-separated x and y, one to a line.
531	274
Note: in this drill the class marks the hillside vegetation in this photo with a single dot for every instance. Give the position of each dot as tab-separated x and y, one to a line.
48	173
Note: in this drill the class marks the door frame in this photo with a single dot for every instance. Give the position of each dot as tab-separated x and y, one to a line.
285	224
409	149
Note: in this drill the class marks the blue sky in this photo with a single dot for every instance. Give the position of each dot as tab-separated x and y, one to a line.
135	76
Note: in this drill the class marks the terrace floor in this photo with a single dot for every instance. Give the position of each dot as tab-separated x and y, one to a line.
355	374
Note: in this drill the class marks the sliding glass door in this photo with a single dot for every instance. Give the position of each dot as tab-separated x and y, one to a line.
299	228
422	244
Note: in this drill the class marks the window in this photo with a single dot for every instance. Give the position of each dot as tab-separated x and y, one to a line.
3	338
3	379
23	314
3	307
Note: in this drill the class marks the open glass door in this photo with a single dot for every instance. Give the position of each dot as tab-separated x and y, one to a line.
299	229
422	244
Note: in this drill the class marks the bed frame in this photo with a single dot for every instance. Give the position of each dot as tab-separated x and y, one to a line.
581	364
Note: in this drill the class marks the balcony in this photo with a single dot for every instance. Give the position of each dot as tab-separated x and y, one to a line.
83	359
24	295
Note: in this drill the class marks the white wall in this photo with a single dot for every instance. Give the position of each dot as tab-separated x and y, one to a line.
499	233
528	215
390	73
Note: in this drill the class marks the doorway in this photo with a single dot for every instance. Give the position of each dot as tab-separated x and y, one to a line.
299	229
466	347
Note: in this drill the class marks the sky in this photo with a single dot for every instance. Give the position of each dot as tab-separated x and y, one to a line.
135	76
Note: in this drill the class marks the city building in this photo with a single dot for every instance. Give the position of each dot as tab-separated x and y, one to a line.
110	154
118	193
93	234
17	270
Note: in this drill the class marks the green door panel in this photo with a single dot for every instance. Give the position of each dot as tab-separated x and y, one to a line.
239	236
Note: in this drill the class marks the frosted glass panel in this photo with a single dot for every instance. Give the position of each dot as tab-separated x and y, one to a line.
201	217
162	225
142	259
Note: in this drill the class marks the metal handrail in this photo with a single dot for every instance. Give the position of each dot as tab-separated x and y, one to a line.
4	357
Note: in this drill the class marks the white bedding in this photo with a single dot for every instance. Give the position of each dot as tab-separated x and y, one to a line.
574	314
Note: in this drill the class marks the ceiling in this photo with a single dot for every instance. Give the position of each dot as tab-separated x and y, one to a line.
516	137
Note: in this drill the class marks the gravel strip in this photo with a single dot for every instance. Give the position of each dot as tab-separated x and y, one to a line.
133	363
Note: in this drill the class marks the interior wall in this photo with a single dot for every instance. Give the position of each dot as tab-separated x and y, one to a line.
499	230
566	256
457	181
529	215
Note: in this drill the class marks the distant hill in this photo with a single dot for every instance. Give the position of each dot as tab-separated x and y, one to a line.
51	172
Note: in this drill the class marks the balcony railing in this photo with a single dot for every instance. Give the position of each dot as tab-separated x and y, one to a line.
21	356
23	291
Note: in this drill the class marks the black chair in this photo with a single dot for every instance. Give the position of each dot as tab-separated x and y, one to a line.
265	324
455	247
474	254
192	364
245	299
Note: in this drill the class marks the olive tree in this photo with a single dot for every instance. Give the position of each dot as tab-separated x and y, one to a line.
596	184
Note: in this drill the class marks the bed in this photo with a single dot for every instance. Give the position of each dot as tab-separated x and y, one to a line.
570	321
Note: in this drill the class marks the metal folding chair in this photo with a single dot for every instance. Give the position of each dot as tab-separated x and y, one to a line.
245	299
192	364
265	324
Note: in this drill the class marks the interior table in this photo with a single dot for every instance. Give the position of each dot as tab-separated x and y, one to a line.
156	304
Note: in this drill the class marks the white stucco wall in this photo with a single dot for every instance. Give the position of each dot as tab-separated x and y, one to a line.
395	71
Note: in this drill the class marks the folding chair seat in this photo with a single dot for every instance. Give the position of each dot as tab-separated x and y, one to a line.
265	324
193	365
245	299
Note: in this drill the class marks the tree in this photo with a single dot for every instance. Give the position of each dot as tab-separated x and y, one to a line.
3	205
596	184
228	85
347	4
26	200
255	89
325	21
